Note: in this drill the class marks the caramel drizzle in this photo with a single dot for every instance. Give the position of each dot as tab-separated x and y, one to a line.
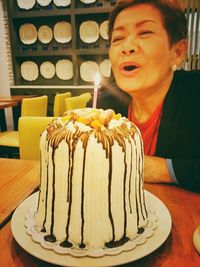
56	133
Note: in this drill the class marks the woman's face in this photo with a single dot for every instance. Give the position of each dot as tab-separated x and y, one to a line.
140	54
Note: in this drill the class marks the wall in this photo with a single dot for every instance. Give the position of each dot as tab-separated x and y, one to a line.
4	70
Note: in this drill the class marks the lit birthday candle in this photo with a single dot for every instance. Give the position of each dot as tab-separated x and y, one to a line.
96	87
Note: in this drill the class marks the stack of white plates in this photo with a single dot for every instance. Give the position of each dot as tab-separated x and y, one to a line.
89	31
45	34
47	69
43	2
28	33
105	68
26	4
64	69
104	29
62	32
88	1
88	70
62	3
29	70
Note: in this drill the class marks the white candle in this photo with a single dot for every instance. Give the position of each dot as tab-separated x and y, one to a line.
96	87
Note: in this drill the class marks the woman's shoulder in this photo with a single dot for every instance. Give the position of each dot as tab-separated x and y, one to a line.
188	77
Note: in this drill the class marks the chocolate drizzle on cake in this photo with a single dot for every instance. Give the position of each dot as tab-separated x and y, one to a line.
71	134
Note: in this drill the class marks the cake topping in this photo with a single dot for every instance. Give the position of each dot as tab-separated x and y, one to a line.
95	118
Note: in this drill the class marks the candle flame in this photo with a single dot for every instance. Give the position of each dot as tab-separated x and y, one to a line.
97	79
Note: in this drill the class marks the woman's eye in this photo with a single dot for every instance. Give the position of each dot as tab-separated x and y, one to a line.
116	39
145	32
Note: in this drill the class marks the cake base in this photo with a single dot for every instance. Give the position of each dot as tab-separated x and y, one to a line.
157	239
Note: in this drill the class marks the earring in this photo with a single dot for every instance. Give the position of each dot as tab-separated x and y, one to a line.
174	67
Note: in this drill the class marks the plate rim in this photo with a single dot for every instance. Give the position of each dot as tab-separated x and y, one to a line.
84	25
59	75
45	27
18	230
25	7
33	64
56	37
28	25
47	62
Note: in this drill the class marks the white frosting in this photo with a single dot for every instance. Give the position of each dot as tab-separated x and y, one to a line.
95	195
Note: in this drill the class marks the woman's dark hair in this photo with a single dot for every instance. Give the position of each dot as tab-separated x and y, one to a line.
174	19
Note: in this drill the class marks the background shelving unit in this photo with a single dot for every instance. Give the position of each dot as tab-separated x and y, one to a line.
76	50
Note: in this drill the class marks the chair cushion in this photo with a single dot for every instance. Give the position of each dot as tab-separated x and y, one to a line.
9	138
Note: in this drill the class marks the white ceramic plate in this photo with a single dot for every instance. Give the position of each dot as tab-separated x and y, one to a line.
28	33
88	1
47	69
35	249
44	2
29	70
62	3
26	4
45	34
105	68
64	69
62	32
104	29
89	31
88	70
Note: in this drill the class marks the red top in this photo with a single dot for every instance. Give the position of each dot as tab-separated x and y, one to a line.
148	129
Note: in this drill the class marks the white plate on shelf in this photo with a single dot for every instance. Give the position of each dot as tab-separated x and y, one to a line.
28	33
26	4
29	70
62	32
62	3
89	31
35	249
88	1
47	69
105	68
44	2
45	34
103	29
88	70
64	69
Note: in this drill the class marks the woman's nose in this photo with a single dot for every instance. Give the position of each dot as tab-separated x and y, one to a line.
128	51
129	47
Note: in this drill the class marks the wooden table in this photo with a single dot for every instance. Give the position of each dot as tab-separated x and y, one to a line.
177	250
18	179
3	105
16	110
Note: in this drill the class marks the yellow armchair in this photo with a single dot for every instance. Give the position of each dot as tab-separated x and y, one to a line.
59	104
35	106
30	129
76	102
9	140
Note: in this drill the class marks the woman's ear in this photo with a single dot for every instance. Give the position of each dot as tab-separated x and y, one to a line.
179	52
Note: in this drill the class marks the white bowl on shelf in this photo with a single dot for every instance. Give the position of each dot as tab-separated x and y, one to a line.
104	29
47	70
45	34
44	2
29	71
62	32
88	1
64	69
196	239
89	31
62	3
88	70
28	33
105	68
26	4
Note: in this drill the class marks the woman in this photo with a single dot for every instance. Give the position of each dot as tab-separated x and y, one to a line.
147	44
